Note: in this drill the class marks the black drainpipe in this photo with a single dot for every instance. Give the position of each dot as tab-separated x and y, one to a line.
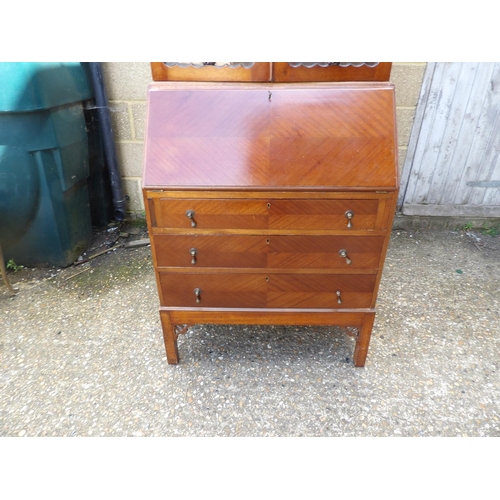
104	116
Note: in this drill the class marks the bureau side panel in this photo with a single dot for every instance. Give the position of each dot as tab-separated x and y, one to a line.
388	221
151	219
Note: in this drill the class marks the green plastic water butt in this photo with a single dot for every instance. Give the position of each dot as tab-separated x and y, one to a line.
44	201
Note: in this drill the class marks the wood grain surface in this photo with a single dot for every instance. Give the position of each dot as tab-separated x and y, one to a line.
291	214
272	252
261	135
268	174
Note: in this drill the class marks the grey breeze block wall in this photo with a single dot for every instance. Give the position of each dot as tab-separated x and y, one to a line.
126	84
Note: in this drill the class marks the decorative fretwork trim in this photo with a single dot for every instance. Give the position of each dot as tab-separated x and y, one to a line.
327	64
246	65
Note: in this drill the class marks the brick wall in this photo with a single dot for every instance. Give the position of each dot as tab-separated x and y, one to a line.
126	85
407	78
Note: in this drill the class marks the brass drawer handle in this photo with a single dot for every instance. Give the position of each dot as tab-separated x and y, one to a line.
343	254
339	300
197	292
190	215
193	253
349	215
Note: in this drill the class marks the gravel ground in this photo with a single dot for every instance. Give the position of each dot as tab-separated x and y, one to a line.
82	355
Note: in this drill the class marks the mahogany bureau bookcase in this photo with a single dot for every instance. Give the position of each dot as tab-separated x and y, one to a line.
270	202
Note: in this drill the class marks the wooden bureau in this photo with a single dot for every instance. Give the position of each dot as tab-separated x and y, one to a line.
270	203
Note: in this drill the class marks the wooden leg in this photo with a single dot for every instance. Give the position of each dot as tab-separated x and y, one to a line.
3	271
170	338
363	340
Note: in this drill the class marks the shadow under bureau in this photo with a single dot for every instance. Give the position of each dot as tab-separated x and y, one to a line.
270	203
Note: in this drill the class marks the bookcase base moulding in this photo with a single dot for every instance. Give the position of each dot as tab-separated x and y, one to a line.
270	203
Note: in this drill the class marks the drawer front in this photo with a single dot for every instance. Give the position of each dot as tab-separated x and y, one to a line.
274	252
260	290
323	214
211	251
216	290
320	291
289	214
212	214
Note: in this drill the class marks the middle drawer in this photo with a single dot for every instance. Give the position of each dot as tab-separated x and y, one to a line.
278	252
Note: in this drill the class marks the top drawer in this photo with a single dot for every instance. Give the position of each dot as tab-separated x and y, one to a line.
271	214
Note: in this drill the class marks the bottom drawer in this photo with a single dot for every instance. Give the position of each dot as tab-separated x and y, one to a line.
259	290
